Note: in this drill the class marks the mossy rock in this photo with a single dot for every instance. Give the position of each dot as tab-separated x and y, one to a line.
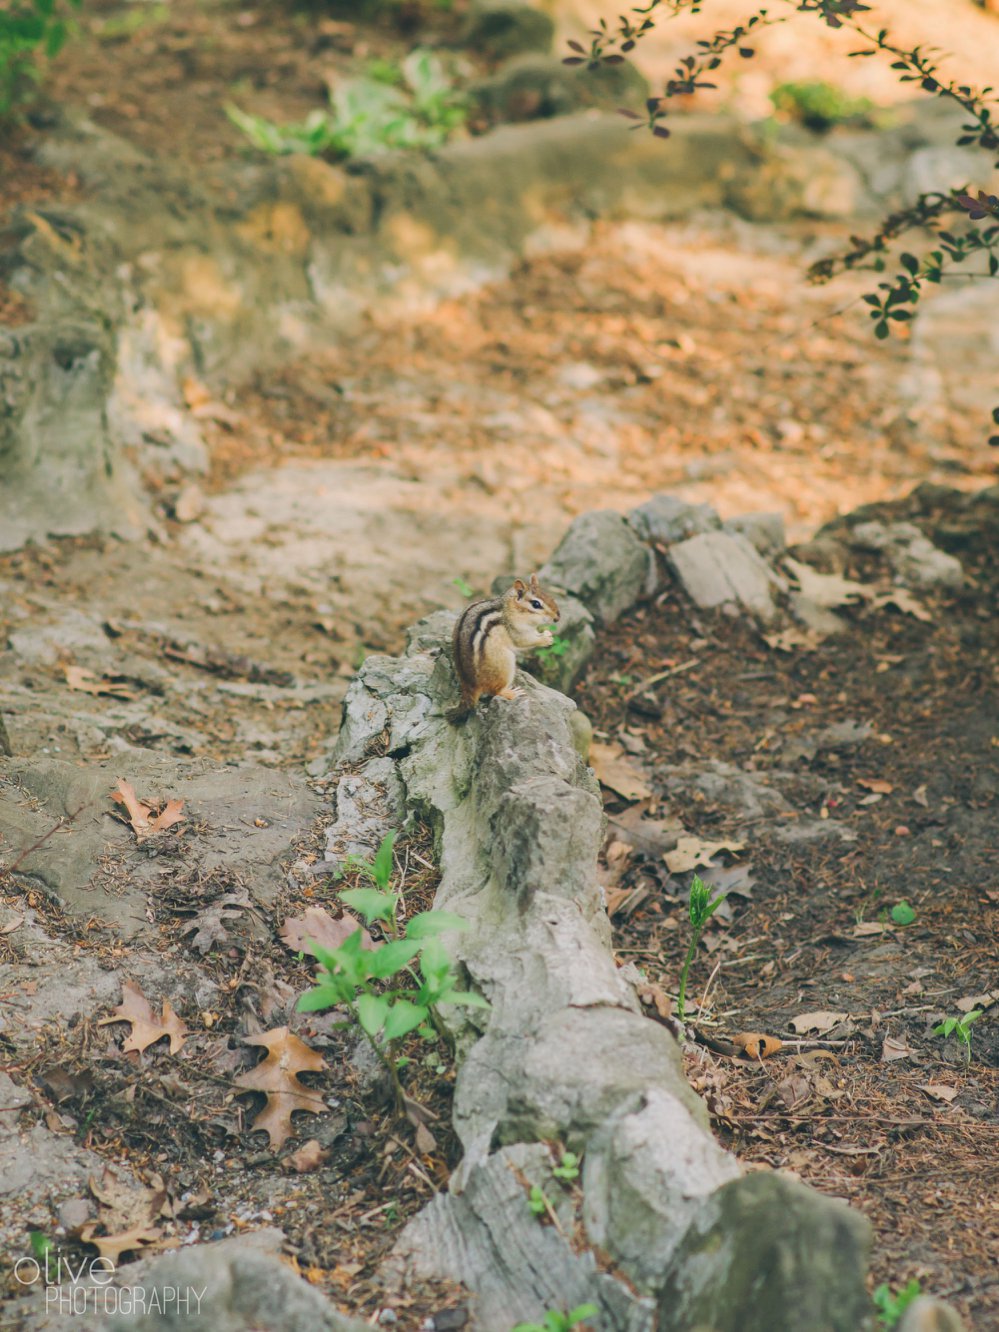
499	29
537	87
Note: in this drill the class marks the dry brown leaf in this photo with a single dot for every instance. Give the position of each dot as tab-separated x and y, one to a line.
86	682
973	1001
654	996
617	772
147	1029
867	928
650	836
827	590
810	1059
756	1045
876	784
920	797
316	926
903	601
691	852
425	1140
142	816
893	1048
308	1157
819	1022
276	1078
789	640
939	1091
12	925
113	1246
794	1090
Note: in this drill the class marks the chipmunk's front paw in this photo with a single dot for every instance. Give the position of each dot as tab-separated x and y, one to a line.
511	693
546	638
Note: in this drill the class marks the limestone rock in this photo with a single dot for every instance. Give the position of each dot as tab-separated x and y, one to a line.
535	86
221	803
502	28
764	530
769	1255
243	1283
716	568
602	562
666	519
916	561
369	804
926	1314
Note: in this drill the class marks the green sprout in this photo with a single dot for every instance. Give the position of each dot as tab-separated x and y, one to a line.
555	1320
961	1028
702	908
892	1304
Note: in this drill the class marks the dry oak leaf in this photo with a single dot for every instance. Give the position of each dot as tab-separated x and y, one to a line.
876	784
113	1246
826	590
308	1157
142	816
939	1091
147	1029
316	926
820	1022
276	1078
691	852
756	1045
86	682
618	773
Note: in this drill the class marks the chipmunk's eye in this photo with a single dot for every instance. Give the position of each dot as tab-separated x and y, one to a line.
536	604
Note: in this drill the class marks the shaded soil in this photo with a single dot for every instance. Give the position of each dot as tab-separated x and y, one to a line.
836	834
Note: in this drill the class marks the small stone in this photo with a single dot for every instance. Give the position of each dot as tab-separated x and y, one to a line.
74	1212
189	504
718	567
601	561
927	1314
502	28
665	519
764	530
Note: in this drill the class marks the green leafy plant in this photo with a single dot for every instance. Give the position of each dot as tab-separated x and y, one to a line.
29	28
555	1320
558	647
420	108
395	988
818	105
891	1305
902	913
702	908
463	586
568	1168
961	1028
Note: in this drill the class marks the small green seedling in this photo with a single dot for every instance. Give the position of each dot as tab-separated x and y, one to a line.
557	1321
961	1028
537	1201
465	588
902	913
702	908
568	1169
891	1305
41	1246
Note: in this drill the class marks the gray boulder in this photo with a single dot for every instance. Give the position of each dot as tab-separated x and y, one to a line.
915	560
719	568
765	531
503	28
602	562
665	519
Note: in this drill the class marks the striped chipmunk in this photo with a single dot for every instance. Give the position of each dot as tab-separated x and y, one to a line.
489	634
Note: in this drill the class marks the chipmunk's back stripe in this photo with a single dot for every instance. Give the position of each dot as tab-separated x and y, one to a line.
486	621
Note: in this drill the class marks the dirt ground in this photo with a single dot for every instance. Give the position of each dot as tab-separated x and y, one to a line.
855	777
690	358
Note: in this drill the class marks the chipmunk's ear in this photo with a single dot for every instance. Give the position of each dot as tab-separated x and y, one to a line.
535	585
520	588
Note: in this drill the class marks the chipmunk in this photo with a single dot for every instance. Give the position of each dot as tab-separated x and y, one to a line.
489	634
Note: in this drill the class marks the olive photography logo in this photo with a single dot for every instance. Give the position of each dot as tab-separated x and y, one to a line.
84	1286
